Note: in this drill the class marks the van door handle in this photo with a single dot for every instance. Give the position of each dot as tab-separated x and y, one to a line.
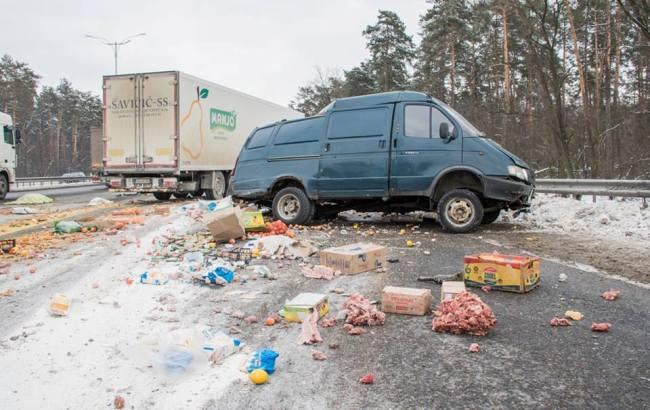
382	144
326	147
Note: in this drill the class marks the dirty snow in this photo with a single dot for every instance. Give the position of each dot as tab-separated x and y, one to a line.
620	219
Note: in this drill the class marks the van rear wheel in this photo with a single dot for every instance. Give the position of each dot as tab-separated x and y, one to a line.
291	206
460	211
162	196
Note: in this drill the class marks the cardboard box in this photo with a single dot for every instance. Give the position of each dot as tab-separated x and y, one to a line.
226	223
503	272
253	221
299	307
355	258
406	301
450	289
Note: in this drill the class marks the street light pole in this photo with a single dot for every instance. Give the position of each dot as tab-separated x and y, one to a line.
115	44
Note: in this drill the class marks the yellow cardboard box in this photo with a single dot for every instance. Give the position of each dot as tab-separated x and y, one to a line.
503	272
299	307
253	221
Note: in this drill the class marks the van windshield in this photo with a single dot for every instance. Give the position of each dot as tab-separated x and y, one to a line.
468	129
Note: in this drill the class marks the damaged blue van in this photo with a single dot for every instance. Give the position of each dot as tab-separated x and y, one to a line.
390	152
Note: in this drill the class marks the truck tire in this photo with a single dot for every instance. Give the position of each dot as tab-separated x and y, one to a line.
162	196
218	188
460	211
489	217
291	206
4	186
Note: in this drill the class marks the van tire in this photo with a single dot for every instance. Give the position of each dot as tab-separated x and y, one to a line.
218	188
291	206
4	186
489	217
460	211
162	196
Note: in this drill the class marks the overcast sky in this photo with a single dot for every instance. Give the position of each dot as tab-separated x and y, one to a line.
264	47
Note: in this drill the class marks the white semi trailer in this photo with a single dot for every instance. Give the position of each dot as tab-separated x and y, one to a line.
172	133
10	137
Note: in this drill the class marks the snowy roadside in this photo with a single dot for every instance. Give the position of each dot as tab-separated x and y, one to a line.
105	346
621	220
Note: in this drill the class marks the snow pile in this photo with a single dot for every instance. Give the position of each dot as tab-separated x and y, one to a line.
620	218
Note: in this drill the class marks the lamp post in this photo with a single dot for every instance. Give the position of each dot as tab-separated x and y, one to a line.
115	44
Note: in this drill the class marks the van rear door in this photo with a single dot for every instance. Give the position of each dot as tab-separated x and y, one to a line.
355	153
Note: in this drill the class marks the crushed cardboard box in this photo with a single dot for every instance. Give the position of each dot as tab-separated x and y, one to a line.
450	289
406	301
355	258
227	223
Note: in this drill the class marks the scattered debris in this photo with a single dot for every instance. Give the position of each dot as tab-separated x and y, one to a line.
154	278
486	288
367	379
458	276
361	312
611	294
354	258
474	348
250	319
573	315
24	211
300	307
450	289
556	321
262	359
253	221
99	201
309	333
333	345
318	355
67	227
562	277
226	224
465	313
406	301
258	376
32	199
331	322
319	272
59	305
119	402
7	292
600	327
354	330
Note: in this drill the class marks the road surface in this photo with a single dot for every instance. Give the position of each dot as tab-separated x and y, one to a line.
94	353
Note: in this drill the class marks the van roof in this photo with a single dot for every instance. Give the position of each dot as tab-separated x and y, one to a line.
376	99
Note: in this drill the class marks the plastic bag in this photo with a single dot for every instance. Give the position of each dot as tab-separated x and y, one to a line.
154	278
212	206
67	227
177	359
193	261
262	359
219	346
220	274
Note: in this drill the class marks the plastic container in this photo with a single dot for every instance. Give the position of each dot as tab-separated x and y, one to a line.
59	305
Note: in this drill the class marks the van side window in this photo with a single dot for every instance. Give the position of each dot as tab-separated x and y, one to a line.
437	118
416	121
260	138
8	135
371	122
308	130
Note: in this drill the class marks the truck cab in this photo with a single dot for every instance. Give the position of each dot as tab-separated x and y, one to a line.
10	137
390	152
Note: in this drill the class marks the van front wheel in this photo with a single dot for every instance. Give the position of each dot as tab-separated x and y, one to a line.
460	211
292	206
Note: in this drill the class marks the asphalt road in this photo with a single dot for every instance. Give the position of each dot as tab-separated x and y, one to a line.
523	361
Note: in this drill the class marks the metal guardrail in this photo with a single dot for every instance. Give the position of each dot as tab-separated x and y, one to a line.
29	184
601	187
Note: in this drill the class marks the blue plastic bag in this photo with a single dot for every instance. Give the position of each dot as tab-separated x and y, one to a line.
262	359
224	273
177	360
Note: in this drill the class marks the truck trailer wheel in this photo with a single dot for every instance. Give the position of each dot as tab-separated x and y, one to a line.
162	196
218	188
4	186
460	211
292	206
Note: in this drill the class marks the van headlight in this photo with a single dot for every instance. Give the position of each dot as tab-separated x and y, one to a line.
518	172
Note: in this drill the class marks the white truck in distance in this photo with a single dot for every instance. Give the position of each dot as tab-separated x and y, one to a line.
10	137
172	133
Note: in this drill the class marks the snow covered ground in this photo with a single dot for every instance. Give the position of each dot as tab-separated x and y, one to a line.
618	219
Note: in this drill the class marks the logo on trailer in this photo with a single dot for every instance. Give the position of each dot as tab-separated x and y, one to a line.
223	119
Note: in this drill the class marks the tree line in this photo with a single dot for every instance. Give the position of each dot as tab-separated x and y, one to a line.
564	84
55	122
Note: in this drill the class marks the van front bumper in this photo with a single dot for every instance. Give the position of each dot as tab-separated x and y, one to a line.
517	194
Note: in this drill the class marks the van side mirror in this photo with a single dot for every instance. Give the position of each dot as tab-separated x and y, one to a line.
445	131
18	136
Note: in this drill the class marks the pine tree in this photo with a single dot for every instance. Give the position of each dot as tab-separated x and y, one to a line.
391	51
